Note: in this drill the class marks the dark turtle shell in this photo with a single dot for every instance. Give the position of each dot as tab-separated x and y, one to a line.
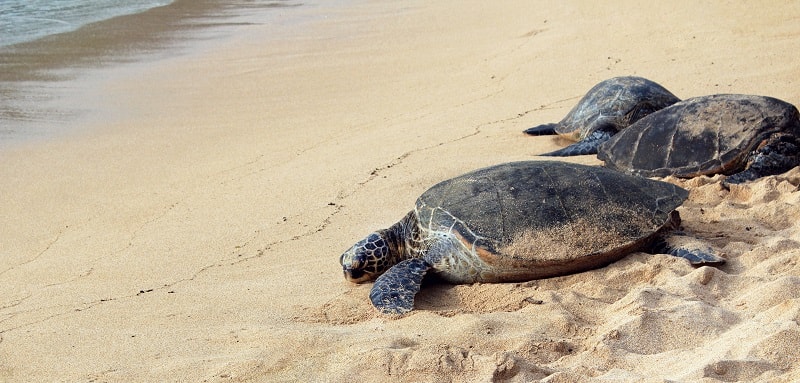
613	105
548	212
700	136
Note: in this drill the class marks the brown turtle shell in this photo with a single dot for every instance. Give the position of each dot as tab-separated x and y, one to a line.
699	136
535	219
616	102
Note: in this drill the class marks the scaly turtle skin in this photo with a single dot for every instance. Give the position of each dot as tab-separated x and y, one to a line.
520	221
743	136
607	108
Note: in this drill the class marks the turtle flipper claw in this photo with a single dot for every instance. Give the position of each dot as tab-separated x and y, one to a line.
394	291
542	130
698	253
698	258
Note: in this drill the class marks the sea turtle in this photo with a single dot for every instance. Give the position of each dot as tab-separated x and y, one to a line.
743	136
607	108
520	221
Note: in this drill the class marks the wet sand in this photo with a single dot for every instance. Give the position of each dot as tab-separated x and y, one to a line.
190	229
44	83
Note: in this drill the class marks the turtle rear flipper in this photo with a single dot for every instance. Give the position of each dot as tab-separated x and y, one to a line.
542	130
394	291
781	153
697	252
588	145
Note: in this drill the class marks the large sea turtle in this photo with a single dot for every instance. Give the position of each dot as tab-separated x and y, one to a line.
520	221
743	136
607	108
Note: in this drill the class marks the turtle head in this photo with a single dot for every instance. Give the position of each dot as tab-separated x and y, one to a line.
367	259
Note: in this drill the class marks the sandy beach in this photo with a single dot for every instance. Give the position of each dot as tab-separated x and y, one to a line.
188	224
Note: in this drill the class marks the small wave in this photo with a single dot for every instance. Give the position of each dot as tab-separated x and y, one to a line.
27	20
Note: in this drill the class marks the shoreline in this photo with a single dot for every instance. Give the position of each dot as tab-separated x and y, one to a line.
42	79
190	230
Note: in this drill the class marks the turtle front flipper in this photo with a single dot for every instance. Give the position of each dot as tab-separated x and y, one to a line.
697	252
394	291
588	145
778	155
542	130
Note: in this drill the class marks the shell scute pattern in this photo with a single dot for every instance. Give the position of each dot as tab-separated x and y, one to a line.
717	134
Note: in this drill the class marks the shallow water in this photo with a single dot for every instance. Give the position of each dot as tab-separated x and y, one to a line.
46	44
28	20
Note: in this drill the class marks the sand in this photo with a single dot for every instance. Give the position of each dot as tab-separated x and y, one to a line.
190	229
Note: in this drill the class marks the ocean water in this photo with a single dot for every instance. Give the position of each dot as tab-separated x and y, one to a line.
50	50
28	20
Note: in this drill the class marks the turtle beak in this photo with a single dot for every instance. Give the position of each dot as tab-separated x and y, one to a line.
355	275
351	268
355	267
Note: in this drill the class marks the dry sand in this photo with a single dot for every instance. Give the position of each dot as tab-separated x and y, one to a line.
190	231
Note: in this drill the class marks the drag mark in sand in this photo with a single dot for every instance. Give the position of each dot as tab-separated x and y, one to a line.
236	256
375	173
84	274
70	310
37	256
14	303
551	105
